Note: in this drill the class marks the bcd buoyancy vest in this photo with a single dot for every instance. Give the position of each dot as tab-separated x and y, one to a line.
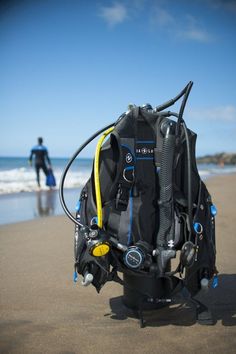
145	203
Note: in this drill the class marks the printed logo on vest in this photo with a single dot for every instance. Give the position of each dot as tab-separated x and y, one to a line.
144	149
129	157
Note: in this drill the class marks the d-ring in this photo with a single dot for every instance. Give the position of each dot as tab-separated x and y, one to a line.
124	176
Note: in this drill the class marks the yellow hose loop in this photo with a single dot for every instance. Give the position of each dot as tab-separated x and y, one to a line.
96	176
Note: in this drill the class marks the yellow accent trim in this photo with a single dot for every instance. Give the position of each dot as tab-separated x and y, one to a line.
96	176
100	250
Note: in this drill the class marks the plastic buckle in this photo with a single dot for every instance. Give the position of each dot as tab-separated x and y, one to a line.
121	204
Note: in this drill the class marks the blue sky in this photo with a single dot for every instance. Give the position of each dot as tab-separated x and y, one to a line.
68	68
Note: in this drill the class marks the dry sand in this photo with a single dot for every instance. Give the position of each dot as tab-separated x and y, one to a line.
43	311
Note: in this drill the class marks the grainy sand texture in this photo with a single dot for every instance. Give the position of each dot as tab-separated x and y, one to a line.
43	311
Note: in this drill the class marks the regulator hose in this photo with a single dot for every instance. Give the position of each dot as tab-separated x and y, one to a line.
62	181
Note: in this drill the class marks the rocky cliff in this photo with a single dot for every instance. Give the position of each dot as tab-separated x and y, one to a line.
219	159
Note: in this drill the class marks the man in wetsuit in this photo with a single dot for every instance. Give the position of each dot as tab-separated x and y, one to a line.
40	154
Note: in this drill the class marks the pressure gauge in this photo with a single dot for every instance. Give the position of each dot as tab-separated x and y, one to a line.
134	257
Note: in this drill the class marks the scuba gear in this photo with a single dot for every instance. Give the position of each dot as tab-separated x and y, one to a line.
144	202
97	242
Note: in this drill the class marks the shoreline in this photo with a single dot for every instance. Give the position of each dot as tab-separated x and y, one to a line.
26	206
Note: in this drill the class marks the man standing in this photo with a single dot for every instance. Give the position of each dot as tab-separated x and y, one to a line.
40	154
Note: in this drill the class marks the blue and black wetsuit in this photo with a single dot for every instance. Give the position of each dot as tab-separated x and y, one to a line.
40	154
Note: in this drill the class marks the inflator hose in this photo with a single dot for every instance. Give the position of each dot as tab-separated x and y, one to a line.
62	181
96	177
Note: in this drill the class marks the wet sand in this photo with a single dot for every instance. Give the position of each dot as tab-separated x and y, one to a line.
17	207
43	311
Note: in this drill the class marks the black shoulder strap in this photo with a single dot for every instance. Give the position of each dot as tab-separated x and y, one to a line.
126	138
126	172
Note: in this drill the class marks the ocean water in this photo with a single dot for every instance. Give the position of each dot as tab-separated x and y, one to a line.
21	200
17	176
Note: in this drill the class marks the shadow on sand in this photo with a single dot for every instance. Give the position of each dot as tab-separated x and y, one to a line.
221	302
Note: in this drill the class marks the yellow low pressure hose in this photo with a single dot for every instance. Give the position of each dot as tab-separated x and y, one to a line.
96	177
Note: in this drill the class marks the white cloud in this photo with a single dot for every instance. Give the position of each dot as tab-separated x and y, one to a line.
194	30
187	27
220	113
162	17
183	27
194	34
114	14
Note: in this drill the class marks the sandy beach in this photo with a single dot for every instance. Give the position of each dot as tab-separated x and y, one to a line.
43	311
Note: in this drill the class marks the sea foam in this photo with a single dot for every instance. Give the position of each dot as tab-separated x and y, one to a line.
24	180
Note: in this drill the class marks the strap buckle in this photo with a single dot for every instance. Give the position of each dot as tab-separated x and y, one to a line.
122	198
